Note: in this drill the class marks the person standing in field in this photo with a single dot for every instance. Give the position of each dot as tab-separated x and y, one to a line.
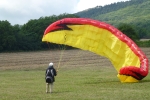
50	77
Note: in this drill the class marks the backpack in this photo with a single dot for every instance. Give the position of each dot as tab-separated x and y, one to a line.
49	76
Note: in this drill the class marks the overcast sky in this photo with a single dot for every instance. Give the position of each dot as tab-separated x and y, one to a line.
21	11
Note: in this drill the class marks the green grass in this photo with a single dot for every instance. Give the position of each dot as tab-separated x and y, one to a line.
74	83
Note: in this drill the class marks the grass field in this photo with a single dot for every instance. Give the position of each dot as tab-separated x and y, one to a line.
82	76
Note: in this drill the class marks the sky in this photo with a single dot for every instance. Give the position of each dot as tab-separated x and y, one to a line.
21	11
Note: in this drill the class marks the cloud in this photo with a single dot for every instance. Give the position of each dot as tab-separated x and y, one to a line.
20	11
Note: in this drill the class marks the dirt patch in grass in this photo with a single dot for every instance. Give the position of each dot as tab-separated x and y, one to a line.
41	59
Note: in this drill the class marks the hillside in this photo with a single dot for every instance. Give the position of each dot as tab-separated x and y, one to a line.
135	12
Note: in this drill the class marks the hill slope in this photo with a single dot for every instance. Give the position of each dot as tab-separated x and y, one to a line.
135	12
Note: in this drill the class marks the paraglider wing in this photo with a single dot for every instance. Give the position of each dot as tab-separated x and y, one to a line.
102	39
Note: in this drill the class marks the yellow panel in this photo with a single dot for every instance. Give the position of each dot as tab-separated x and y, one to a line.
124	78
97	40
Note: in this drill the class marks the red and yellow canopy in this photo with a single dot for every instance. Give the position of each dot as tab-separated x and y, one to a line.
102	39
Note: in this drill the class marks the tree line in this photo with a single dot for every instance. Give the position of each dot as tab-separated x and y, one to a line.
28	37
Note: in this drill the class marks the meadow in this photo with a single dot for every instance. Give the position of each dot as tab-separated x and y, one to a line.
82	75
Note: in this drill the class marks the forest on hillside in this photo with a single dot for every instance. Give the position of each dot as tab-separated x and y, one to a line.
133	12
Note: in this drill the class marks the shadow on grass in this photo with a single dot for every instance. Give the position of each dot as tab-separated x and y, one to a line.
59	92
143	81
98	82
112	81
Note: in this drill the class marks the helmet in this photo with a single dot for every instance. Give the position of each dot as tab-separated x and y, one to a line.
51	64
